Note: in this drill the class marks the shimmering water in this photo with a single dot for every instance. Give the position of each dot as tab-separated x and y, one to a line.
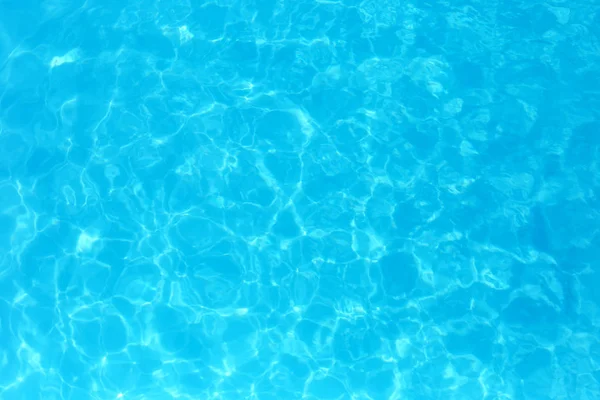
299	200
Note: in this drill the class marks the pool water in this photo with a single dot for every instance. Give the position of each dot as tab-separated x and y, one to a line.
312	199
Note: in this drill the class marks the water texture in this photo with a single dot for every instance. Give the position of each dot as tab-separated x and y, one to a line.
317	200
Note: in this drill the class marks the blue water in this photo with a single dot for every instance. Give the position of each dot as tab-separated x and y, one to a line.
315	200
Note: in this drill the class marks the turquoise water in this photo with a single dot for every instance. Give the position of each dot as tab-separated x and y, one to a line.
299	200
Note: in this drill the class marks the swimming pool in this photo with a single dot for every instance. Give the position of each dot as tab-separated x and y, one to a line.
299	200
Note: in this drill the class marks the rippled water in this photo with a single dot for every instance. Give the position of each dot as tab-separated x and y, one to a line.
299	200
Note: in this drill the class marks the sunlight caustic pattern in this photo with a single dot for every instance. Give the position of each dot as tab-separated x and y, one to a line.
314	200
